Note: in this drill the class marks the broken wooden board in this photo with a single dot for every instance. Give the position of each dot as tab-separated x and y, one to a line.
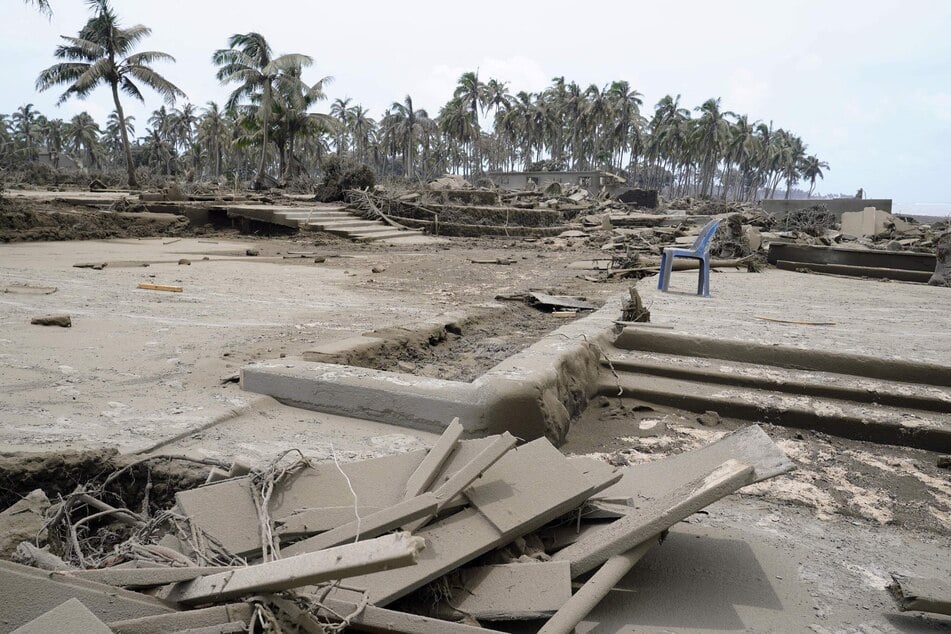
579	605
436	457
924	595
664	507
749	445
71	616
367	527
558	301
528	481
28	592
146	577
382	621
312	521
160	287
460	538
475	468
509	592
225	510
382	553
188	620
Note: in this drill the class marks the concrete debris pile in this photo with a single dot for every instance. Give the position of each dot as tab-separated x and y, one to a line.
451	206
469	532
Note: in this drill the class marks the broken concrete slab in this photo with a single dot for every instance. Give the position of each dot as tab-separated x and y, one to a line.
382	553
71	616
925	595
654	515
871	222
27	593
23	521
509	592
190	619
372	618
312	521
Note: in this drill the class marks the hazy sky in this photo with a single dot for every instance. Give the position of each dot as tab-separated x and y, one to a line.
866	84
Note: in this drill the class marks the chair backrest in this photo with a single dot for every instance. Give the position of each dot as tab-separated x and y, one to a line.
702	243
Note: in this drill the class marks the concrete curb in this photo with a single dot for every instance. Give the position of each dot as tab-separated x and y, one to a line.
531	394
632	338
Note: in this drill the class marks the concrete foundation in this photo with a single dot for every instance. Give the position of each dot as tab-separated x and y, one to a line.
531	394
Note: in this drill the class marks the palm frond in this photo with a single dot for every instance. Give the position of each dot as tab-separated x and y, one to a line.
156	82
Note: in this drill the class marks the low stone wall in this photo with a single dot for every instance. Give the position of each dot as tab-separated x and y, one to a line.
837	206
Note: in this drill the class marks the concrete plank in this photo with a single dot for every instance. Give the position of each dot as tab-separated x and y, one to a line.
749	445
71	616
665	507
28	592
191	619
514	591
382	553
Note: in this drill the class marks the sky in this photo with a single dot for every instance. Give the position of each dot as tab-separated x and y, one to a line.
867	85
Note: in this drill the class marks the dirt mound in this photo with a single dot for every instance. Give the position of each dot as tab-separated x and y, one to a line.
20	223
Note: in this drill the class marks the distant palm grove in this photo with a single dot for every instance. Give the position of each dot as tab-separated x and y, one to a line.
269	130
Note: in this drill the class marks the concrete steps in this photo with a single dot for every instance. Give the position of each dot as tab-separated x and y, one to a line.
340	222
842	405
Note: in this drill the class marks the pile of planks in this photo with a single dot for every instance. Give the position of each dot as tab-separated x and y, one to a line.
445	540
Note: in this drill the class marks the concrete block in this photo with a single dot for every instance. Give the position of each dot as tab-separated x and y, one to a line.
871	222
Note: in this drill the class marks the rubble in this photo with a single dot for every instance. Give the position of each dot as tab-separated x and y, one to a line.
63	321
474	508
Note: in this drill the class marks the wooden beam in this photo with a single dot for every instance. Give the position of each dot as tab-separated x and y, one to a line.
653	516
382	553
429	468
368	527
160	287
593	591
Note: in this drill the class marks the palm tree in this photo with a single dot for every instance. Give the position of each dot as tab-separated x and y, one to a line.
53	131
341	110
293	98
213	132
471	93
112	136
812	169
25	124
82	135
250	62
103	54
406	124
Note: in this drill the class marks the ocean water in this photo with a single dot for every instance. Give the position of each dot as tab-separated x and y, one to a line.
940	210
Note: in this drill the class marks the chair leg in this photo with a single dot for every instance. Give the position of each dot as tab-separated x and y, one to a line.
660	275
705	265
700	278
668	271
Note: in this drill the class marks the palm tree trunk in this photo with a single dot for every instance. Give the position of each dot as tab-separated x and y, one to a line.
265	120
125	137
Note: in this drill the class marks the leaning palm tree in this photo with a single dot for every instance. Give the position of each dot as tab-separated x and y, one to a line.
103	54
812	169
250	62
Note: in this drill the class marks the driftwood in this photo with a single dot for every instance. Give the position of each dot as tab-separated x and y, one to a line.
680	264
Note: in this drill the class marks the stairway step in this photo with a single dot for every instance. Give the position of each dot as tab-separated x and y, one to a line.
847	419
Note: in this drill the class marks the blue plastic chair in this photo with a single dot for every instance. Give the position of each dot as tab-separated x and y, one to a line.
699	251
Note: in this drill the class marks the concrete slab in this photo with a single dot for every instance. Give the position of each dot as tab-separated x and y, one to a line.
28	593
190	619
71	616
